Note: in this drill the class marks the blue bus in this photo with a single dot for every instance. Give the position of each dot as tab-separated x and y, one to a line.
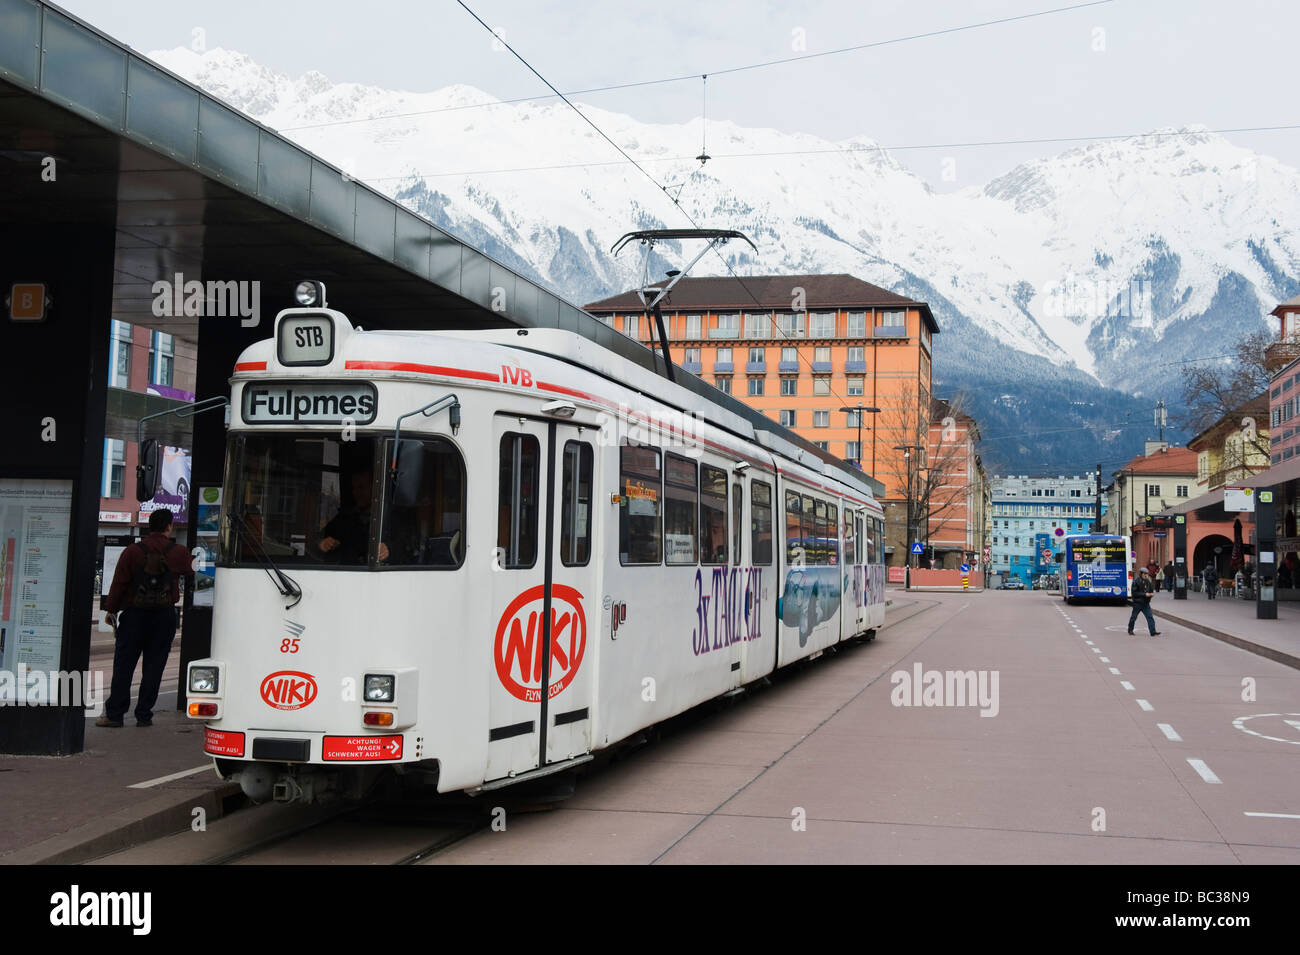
1097	567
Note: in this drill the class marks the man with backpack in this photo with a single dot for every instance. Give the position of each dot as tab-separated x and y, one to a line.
141	608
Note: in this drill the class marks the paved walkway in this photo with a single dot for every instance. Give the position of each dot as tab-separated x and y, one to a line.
1233	621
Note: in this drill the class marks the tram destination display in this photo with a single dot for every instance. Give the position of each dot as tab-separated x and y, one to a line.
310	402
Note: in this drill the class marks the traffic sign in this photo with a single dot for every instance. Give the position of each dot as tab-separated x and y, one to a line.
1060	532
917	548
965	568
1047	553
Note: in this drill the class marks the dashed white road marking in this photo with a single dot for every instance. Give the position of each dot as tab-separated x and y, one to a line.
1274	815
149	783
1205	772
1145	705
1169	732
1096	649
1105	660
1114	670
1126	684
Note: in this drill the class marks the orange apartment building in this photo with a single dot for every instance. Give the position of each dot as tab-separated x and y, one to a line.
958	496
801	349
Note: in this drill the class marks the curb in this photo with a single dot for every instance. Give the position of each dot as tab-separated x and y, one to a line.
163	815
1278	656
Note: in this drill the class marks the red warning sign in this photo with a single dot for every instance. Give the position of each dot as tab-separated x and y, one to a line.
223	743
358	748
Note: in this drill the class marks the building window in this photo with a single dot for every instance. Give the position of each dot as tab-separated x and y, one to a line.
1182	490
822	353
854	386
162	359
821	385
1153	490
821	419
728	326
789	386
114	467
120	356
692	356
693	325
723	384
852	451
857	353
857	324
823	326
822	445
757	354
788	419
852	419
791	326
790	354
630	325
756	386
893	319
758	326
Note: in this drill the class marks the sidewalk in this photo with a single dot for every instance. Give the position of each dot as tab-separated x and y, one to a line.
1233	621
128	784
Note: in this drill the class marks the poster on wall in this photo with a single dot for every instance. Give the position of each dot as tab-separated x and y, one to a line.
35	529
173	487
208	521
1241	499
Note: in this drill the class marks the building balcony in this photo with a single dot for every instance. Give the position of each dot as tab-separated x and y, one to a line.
821	366
755	367
1280	354
889	331
694	367
723	367
724	333
791	367
855	366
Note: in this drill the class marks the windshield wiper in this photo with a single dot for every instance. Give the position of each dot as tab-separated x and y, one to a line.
287	586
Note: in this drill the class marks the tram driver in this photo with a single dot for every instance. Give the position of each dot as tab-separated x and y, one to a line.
348	533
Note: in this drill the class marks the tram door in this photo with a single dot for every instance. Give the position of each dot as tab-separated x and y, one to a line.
539	685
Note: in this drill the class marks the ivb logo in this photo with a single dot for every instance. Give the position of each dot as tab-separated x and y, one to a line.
289	689
519	640
513	375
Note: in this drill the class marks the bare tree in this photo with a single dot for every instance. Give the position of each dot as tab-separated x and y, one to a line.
1212	392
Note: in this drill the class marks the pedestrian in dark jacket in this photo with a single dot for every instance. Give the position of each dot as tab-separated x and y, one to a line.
1210	574
141	609
1169	576
1143	589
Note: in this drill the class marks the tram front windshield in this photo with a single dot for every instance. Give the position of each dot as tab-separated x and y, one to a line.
313	500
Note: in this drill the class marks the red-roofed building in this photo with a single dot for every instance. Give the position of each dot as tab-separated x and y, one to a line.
1160	477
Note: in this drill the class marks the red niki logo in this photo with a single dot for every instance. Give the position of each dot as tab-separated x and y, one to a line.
519	642
289	689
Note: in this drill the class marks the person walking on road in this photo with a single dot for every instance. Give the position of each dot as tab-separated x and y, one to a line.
1210	574
1143	588
1169	576
141	609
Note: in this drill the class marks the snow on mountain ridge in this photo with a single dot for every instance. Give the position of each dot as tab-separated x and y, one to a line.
1085	258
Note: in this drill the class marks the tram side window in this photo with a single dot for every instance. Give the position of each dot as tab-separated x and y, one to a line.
679	510
737	516
794	547
640	535
832	534
575	511
878	542
857	530
850	544
430	532
517	500
760	511
808	528
820	532
713	515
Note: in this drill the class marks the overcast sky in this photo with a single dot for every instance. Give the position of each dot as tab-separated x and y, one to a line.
1126	66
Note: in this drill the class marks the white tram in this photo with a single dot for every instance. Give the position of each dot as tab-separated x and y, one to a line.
478	557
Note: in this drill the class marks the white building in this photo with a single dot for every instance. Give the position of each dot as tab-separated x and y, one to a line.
1032	514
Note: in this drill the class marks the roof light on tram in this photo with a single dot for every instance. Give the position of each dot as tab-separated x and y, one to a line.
560	409
310	294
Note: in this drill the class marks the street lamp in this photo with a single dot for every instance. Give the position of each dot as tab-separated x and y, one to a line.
859	408
907	467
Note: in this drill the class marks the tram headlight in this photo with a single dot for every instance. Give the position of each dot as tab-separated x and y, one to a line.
380	687
203	679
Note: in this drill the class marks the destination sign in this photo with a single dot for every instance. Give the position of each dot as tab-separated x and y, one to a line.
309	402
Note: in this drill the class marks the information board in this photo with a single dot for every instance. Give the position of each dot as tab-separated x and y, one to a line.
35	530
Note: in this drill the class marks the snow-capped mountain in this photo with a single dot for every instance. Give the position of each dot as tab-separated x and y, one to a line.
1105	265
